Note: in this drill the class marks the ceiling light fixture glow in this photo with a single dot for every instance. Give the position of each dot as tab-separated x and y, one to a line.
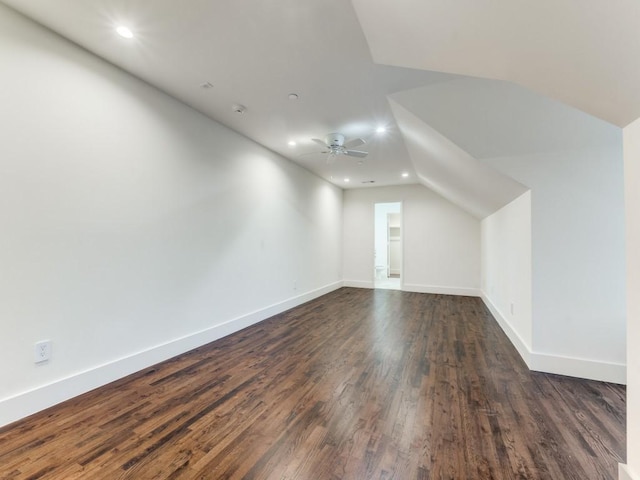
346	180
381	130
124	31
292	143
405	174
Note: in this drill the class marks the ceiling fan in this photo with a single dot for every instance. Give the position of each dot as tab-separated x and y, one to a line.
335	145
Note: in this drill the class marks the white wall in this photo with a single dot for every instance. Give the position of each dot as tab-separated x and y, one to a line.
506	271
632	203
578	256
441	242
132	226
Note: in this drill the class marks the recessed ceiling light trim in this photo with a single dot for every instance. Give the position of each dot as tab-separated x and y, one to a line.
124	32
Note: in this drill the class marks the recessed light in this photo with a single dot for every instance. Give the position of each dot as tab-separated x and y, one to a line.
381	129
124	31
346	180
293	96
405	174
292	143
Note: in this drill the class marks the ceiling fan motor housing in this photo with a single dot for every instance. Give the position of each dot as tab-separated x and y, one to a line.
334	140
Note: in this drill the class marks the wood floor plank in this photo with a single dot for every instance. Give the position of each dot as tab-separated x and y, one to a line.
355	384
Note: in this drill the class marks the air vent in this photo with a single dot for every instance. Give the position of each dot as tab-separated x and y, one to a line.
369	181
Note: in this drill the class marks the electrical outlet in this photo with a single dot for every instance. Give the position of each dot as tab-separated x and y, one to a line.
42	351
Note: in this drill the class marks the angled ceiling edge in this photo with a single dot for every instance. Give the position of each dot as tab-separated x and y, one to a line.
445	168
583	54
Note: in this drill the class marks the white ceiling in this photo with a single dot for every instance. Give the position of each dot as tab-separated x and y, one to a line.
582	52
255	53
450	171
492	118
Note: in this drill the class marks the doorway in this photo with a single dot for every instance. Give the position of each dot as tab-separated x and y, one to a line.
388	246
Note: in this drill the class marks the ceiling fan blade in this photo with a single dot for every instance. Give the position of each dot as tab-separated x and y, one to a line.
356	142
319	142
356	153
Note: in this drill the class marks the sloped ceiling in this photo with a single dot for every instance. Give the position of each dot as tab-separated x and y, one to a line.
412	65
451	129
450	171
584	53
493	118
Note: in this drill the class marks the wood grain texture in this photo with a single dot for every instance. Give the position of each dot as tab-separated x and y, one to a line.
357	384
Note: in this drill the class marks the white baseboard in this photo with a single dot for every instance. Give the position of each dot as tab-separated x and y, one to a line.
358	284
27	403
579	367
521	346
558	364
625	474
409	287
438	289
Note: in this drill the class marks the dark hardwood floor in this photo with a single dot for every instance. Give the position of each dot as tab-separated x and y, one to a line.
358	384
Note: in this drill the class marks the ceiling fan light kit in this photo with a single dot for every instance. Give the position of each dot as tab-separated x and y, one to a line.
334	144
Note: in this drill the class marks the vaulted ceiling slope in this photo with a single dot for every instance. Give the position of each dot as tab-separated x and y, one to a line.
582	52
452	129
450	171
410	65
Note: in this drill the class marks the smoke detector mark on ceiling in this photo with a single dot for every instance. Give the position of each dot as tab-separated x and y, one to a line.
206	85
239	109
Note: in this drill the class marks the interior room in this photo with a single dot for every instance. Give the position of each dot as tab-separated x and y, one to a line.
174	174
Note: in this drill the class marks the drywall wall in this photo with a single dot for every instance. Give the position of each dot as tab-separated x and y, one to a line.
632	203
441	242
132	226
578	275
506	271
